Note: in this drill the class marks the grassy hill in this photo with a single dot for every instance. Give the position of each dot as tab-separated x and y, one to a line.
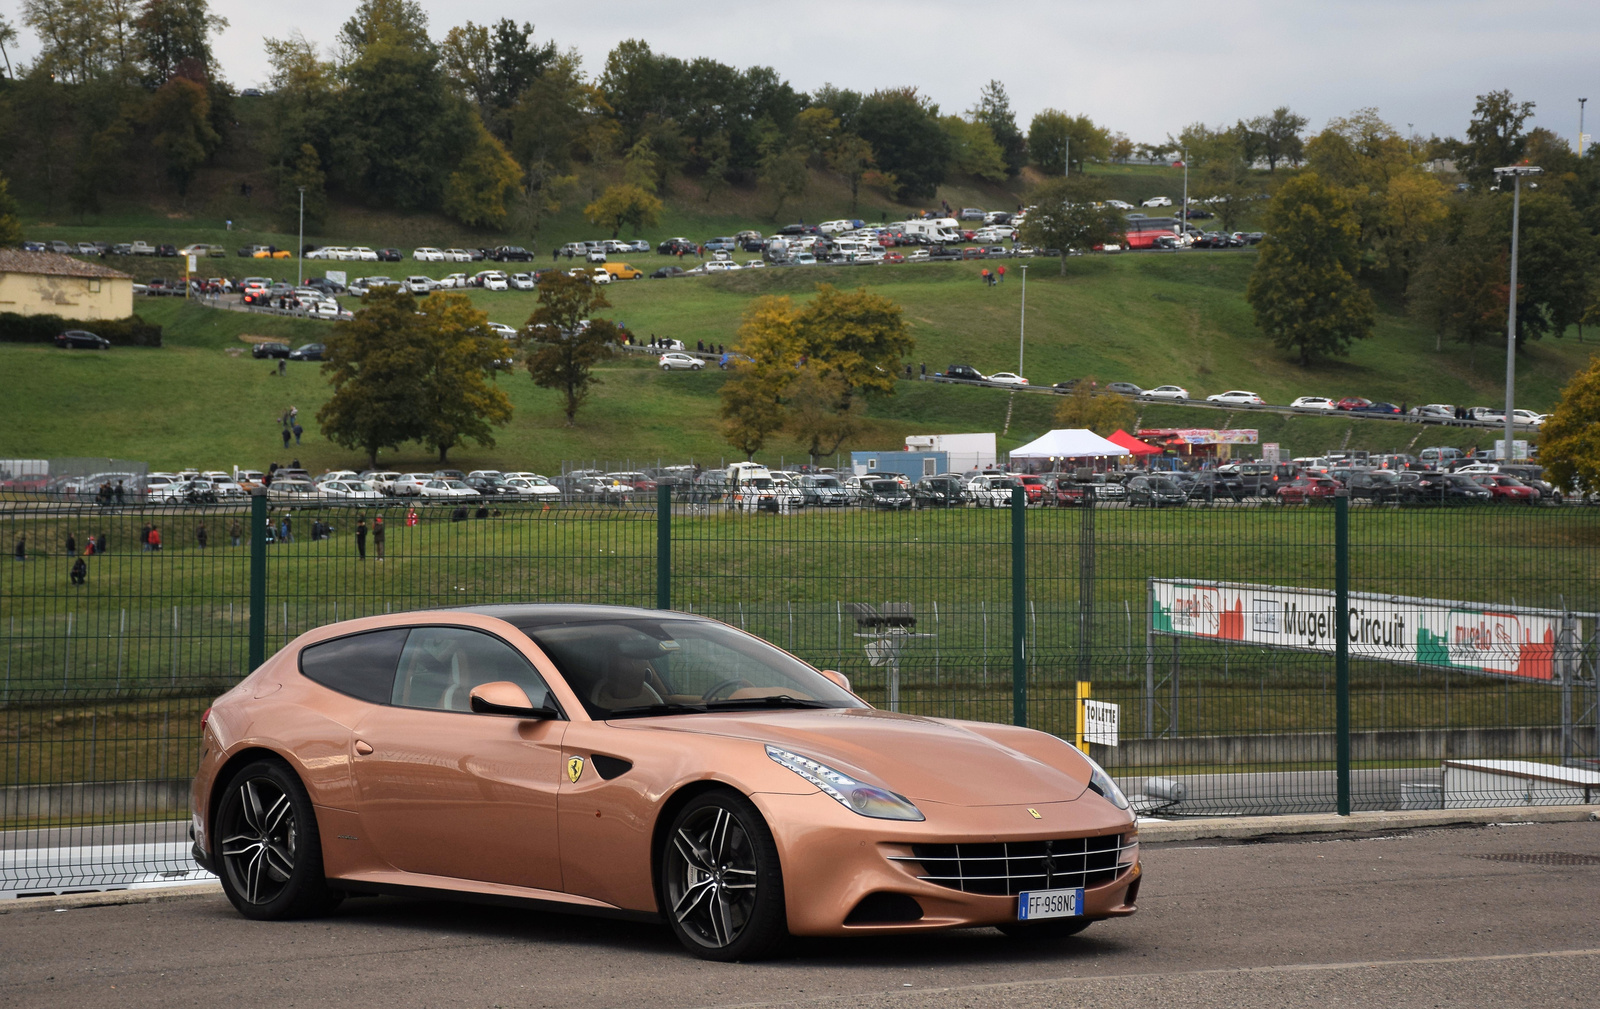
1147	319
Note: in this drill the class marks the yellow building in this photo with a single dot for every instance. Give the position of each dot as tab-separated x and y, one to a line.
47	283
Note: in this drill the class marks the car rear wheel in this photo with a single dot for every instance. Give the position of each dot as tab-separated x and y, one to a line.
721	884
1045	931
268	847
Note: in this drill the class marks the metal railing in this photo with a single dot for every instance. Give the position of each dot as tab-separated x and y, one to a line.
1040	616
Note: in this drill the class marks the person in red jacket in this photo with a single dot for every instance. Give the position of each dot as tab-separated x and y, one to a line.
155	537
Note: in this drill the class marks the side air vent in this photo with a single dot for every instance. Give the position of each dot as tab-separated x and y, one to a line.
610	767
884	909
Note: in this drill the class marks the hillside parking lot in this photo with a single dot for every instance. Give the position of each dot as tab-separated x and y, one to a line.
1483	916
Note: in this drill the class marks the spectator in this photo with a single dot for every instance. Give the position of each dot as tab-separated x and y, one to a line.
1002	273
72	544
285	437
155	537
361	538
984	274
21	551
201	537
411	517
285	530
377	536
100	543
119	494
235	533
144	537
298	431
80	571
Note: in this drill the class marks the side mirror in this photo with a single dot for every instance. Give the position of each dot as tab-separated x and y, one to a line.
503	697
837	677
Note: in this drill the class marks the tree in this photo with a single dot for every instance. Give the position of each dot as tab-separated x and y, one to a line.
1087	407
492	67
10	224
1569	439
373	363
624	204
973	149
751	409
1303	289
8	41
565	341
305	172
903	131
1066	216
457	400
173	33
783	169
1278	137
75	37
1054	135
1461	279
180	112
851	157
1494	137
994	111
820	412
477	192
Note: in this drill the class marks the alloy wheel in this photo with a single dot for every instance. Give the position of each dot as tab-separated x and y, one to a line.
260	840
712	877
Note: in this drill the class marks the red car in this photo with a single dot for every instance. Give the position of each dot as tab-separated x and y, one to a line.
1034	487
1307	489
1505	489
1352	403
893	257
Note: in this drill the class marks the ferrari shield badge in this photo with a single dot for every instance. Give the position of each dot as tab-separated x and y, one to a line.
1031	811
574	768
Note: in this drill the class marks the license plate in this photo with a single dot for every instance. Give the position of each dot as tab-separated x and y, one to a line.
1033	904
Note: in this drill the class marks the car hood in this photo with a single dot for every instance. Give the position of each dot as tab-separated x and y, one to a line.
924	759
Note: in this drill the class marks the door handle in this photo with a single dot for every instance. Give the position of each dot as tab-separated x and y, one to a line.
363	748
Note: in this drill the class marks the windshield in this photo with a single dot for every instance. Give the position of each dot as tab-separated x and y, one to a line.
630	667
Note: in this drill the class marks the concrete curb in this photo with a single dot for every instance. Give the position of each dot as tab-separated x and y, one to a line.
104	898
1214	828
1237	827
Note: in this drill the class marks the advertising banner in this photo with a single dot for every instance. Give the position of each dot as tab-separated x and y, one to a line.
1437	633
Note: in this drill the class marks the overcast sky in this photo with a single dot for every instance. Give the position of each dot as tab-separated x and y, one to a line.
1145	68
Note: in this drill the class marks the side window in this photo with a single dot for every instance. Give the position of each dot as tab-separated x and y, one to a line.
440	666
361	665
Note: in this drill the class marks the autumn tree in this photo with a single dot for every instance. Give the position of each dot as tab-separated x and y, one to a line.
565	342
1303	289
852	158
180	114
973	149
457	400
783	169
303	173
371	362
1087	407
1569	439
820	412
478	192
10	225
1069	213
174	36
624	204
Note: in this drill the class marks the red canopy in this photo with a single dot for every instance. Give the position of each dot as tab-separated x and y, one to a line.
1132	444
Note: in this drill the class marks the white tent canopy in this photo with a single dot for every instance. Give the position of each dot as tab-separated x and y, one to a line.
1071	443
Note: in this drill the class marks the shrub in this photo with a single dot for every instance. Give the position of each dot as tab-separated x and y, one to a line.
130	332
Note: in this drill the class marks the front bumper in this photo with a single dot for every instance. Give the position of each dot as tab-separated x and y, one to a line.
833	859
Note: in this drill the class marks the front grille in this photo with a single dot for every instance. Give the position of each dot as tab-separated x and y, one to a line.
1008	868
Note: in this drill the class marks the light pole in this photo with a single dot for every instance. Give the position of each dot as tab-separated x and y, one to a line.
1581	103
300	251
1022	335
1066	157
1515	172
1183	215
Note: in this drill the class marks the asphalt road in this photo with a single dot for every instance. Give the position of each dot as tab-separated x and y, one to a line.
1419	919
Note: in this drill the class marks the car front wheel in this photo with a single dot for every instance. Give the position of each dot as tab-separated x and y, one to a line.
268	847
721	884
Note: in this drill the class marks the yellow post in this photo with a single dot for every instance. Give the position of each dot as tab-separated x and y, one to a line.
1083	695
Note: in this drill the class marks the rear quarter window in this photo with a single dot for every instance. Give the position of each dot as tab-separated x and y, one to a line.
360	665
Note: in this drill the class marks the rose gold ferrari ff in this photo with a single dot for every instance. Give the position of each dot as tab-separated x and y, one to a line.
642	764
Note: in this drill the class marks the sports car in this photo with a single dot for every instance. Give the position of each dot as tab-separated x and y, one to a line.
640	764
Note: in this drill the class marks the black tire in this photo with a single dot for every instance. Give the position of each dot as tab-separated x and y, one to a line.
721	887
267	848
1050	930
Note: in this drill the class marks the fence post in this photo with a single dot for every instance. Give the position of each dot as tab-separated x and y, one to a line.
258	577
664	546
1019	606
1341	649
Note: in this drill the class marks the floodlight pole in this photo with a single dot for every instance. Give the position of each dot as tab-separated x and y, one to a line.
1516	172
1183	215
1022	335
1581	103
300	252
1066	157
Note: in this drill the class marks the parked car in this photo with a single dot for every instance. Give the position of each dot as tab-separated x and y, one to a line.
1307	489
1314	403
1236	397
1388	408
81	339
1352	403
308	352
676	361
965	373
943	490
886	495
1007	378
1155	491
1505	489
1379	486
1174	393
668	271
1124	389
1214	485
1157	201
270	349
991	490
349	490
511	254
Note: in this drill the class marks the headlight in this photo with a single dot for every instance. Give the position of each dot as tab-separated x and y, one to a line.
1101	782
856	796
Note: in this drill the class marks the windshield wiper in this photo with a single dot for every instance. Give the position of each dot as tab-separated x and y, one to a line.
776	701
645	710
